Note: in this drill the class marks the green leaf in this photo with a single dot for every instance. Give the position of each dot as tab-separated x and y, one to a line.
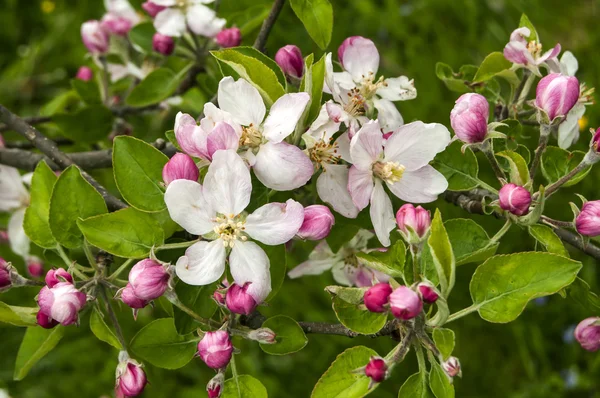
519	172
348	307
557	163
439	382
525	22
141	37
290	336
548	239
460	169
159	344
36	343
492	65
243	386
390	262
73	198
36	224
197	298
456	82
317	18
312	83
339	381
18	316
503	285
442	254
261	75
89	92
88	125
580	291
470	242
274	66
159	85
415	387
278	267
125	233
444	341
101	329
138	173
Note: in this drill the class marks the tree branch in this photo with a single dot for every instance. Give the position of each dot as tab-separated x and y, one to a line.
265	30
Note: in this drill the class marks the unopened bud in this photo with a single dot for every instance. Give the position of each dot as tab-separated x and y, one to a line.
180	167
289	58
129	297
62	302
452	367
376	369
45	321
515	199
94	37
163	44
238	299
413	222
148	279
469	118
377	297
263	336
55	276
5	279
230	37
84	73
587	334
405	303
556	94
215	386
588	220
215	349
35	267
317	224
428	292
152	9
131	378
116	25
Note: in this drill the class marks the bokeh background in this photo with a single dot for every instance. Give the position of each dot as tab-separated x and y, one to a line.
533	357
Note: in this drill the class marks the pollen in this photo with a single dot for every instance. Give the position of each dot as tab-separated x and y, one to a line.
251	137
324	152
390	172
230	229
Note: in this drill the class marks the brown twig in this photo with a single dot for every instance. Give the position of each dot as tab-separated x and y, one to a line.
265	30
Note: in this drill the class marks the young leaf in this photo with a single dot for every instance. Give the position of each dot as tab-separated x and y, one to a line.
161	345
36	343
494	64
88	125
557	163
317	18
138	173
73	198
339	381
89	91
461	170
415	387
159	85
439	382
254	53
316	74
36	224
197	298
444	341
289	336
390	262
141	37
503	285
580	291
243	386
101	329
454	81
442	254
548	239
526	23
519	172
18	316
125	233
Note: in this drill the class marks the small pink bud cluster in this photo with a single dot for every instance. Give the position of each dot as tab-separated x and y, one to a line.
230	37
239	301
5	279
215	349
35	267
152	9
469	118
403	302
317	224
413	222
131	378
376	369
587	334
163	44
452	367
59	301
95	37
85	74
289	58
588	220
148	280
515	199
180	167
556	94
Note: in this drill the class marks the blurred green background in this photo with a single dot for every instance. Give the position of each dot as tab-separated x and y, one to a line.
532	357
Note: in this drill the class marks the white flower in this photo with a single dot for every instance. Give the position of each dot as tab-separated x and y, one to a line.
215	211
122	8
346	267
182	14
14	198
402	164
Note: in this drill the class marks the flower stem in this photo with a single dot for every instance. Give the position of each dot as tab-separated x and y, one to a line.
180	245
488	151
544	136
463	312
90	256
113	318
525	89
119	270
172	297
500	233
566	178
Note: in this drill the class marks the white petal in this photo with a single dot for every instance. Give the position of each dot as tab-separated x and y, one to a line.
282	166
284	116
568	130
123	9
191	138
214	115
223	136
361	58
398	89
336	91
360	186
332	187
227	185
249	263
165	3
12	192
340	275
310	267
170	22
420	186
343	146
19	242
382	214
242	101
366	145
415	144
569	64
203	21
188	206
275	223
388	115
323	127
202	264
344	80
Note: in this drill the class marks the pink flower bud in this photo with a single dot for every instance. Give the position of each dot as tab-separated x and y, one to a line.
377	297
62	302
94	37
84	73
116	25
452	367
263	336
163	44
55	276
469	118
317	224
215	386
587	334
596	140
152	9
417	218
180	167
376	369
239	301
516	49
428	292
556	94
515	199
5	279
35	267
149	279
45	321
215	349
130	299
289	58
588	221
230	37
131	379
405	303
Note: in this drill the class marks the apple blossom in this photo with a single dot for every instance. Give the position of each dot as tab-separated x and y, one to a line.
179	15
55	276
263	336
45	321
180	167
204	140
148	279
163	44
215	349
469	118
515	199
523	52
377	297
317	223
84	73
428	292
376	369
62	302
128	296
95	37
289	58
116	25
405	303
215	385
413	220
587	334
556	95
215	210
238	300
588	220
402	164
230	37
452	367
131	378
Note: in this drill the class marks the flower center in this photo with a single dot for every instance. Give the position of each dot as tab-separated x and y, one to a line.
251	137
535	48
390	172
230	228
368	85
356	103
350	260
324	152
182	3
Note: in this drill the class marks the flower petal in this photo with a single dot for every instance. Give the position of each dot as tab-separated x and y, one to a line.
12	192
203	21
323	127
249	263
242	101
19	242
568	130
343	146
282	166
275	223
415	144
284	116
569	64
165	3
202	264
398	89
388	115
310	267
190	137
382	214
227	185
420	186
361	58
360	186
223	136
188	207
170	22
332	187
366	145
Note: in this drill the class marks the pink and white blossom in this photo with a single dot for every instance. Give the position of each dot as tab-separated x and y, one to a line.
62	302
515	199
588	220
415	220
289	58
215	349
55	276
317	224
469	118
180	167
587	334
149	279
215	210
556	95
238	300
452	367
230	37
178	16
130	377
525	53
95	37
405	303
